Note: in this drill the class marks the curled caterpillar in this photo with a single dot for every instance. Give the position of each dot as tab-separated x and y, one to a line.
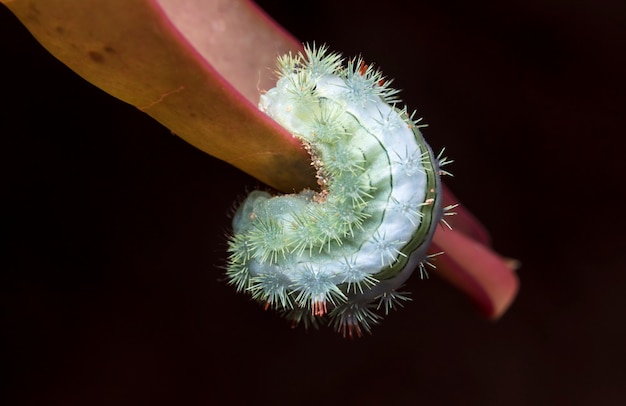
339	253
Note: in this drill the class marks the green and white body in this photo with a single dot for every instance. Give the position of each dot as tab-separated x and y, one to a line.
344	250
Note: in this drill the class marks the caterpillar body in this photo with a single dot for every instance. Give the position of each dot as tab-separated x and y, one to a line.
339	254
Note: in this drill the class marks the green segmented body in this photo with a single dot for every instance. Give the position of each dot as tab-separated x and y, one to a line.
345	249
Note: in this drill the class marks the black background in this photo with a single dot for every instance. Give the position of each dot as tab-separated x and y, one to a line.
113	228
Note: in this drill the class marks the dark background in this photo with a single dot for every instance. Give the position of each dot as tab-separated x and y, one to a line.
113	228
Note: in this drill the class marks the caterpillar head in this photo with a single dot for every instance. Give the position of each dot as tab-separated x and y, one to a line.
340	253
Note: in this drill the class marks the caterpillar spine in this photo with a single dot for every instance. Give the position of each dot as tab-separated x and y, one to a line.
343	251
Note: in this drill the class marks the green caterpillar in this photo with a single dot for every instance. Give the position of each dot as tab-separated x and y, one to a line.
342	252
